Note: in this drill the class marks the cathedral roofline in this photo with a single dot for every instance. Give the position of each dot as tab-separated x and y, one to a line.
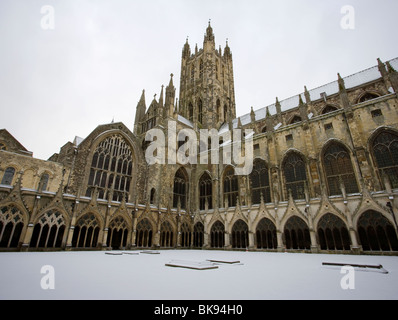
332	88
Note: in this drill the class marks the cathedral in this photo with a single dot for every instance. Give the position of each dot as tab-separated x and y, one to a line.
324	176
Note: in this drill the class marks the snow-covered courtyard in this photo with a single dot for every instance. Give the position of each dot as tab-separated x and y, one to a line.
258	276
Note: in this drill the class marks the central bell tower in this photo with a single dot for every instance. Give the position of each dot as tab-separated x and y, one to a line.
207	93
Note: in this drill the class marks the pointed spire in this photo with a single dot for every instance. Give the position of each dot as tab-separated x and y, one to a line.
307	95
382	67
300	100
142	99
239	123
252	115
341	82
227	50
278	106
209	36
186	50
343	94
267	113
170	97
161	97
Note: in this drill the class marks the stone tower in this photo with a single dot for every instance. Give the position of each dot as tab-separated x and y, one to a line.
207	94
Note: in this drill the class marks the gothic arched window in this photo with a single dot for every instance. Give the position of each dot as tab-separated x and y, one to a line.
376	233
185	235
11	225
217	235
44	182
192	73
259	182
166	235
297	234
117	233
219	111
385	151
240	235
205	192
201	68
225	113
198	235
8	176
180	189
295	175
200	111
295	119
328	109
144	234
266	234
231	187
190	112
333	233
338	169
367	96
48	231
111	169
85	234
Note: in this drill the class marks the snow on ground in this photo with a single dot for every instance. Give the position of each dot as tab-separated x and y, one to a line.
260	276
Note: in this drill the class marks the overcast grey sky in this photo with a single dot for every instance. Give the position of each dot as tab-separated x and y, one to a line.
92	67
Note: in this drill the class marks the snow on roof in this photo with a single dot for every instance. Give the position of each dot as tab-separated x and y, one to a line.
331	88
77	141
185	121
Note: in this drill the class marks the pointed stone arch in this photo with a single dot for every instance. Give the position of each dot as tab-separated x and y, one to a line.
265	236
260	182
180	188
87	230
329	108
13	222
198	234
296	234
383	145
230	186
144	233
376	232
205	191
240	235
118	231
167	235
332	233
49	229
338	168
217	234
294	168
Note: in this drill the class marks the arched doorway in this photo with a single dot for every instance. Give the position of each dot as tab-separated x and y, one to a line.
117	233
198	235
217	235
333	233
266	234
297	234
376	233
143	237
185	235
85	234
48	231
166	235
11	225
240	235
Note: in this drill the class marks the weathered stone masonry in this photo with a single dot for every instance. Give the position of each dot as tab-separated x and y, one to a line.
325	175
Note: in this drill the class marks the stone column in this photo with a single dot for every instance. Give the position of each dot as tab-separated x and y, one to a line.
251	240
